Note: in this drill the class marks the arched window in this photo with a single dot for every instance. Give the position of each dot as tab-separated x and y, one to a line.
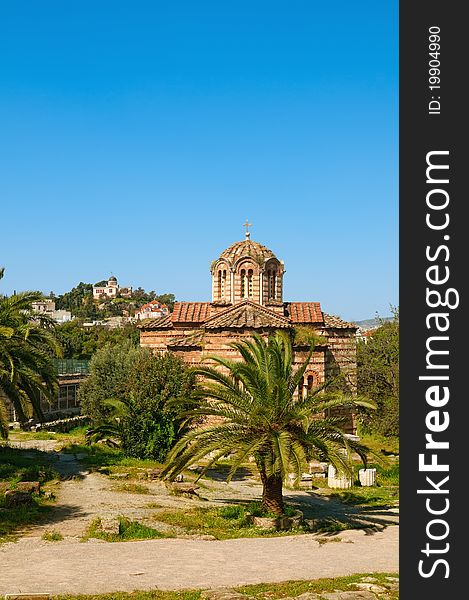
310	383
272	278
223	283
219	288
243	283
250	290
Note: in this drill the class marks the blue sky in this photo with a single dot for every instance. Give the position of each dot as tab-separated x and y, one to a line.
137	137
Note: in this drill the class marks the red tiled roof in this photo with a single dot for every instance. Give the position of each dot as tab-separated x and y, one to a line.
161	323
335	322
190	312
305	312
247	314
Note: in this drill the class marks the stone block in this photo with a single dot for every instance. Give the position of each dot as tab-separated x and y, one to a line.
334	481
154	473
13	499
110	525
367	477
33	487
4	487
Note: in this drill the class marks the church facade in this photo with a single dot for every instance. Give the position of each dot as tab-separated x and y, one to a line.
247	298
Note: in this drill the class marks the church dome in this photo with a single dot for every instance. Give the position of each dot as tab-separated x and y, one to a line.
112	278
247	248
247	270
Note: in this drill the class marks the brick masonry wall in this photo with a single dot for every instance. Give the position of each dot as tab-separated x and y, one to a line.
336	360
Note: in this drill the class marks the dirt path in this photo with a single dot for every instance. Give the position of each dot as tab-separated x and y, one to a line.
95	567
70	566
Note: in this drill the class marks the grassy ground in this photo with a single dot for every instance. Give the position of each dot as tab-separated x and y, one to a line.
75	435
23	465
128	530
17	464
263	591
384	494
98	455
223	523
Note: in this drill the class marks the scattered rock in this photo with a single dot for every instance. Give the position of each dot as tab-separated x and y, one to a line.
154	473
32	487
110	525
4	487
359	595
281	523
196	536
372	587
14	498
369	579
265	522
120	475
179	478
183	488
196	468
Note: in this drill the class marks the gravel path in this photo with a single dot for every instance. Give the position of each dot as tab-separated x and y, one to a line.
34	566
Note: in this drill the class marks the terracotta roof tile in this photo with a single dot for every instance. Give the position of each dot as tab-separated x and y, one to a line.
247	314
161	323
304	312
190	312
335	322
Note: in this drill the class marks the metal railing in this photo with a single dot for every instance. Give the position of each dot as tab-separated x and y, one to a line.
72	366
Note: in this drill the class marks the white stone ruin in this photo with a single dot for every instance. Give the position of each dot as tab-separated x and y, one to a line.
333	481
367	477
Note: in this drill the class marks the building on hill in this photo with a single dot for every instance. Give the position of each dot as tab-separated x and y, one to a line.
47	307
152	310
247	298
111	290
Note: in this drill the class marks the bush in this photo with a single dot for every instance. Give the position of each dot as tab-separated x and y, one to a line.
378	378
127	395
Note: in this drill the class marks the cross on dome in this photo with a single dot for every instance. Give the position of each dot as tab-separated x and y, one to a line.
247	225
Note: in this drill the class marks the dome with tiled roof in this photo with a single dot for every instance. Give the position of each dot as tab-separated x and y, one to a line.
247	270
248	248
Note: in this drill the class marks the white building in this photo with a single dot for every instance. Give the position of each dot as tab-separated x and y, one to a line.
111	290
152	310
47	307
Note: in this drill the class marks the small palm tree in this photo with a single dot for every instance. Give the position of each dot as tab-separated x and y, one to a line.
111	431
259	413
27	347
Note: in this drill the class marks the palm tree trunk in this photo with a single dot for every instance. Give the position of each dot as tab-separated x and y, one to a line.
272	497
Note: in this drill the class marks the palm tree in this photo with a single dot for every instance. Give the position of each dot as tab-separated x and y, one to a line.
259	413
27	348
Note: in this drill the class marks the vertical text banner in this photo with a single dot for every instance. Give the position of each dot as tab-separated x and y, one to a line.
434	259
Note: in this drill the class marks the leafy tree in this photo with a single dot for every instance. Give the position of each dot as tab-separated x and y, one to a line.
378	377
27	347
79	301
128	393
82	342
168	299
256	411
109	378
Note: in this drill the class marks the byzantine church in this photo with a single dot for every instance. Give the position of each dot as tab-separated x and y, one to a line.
247	298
